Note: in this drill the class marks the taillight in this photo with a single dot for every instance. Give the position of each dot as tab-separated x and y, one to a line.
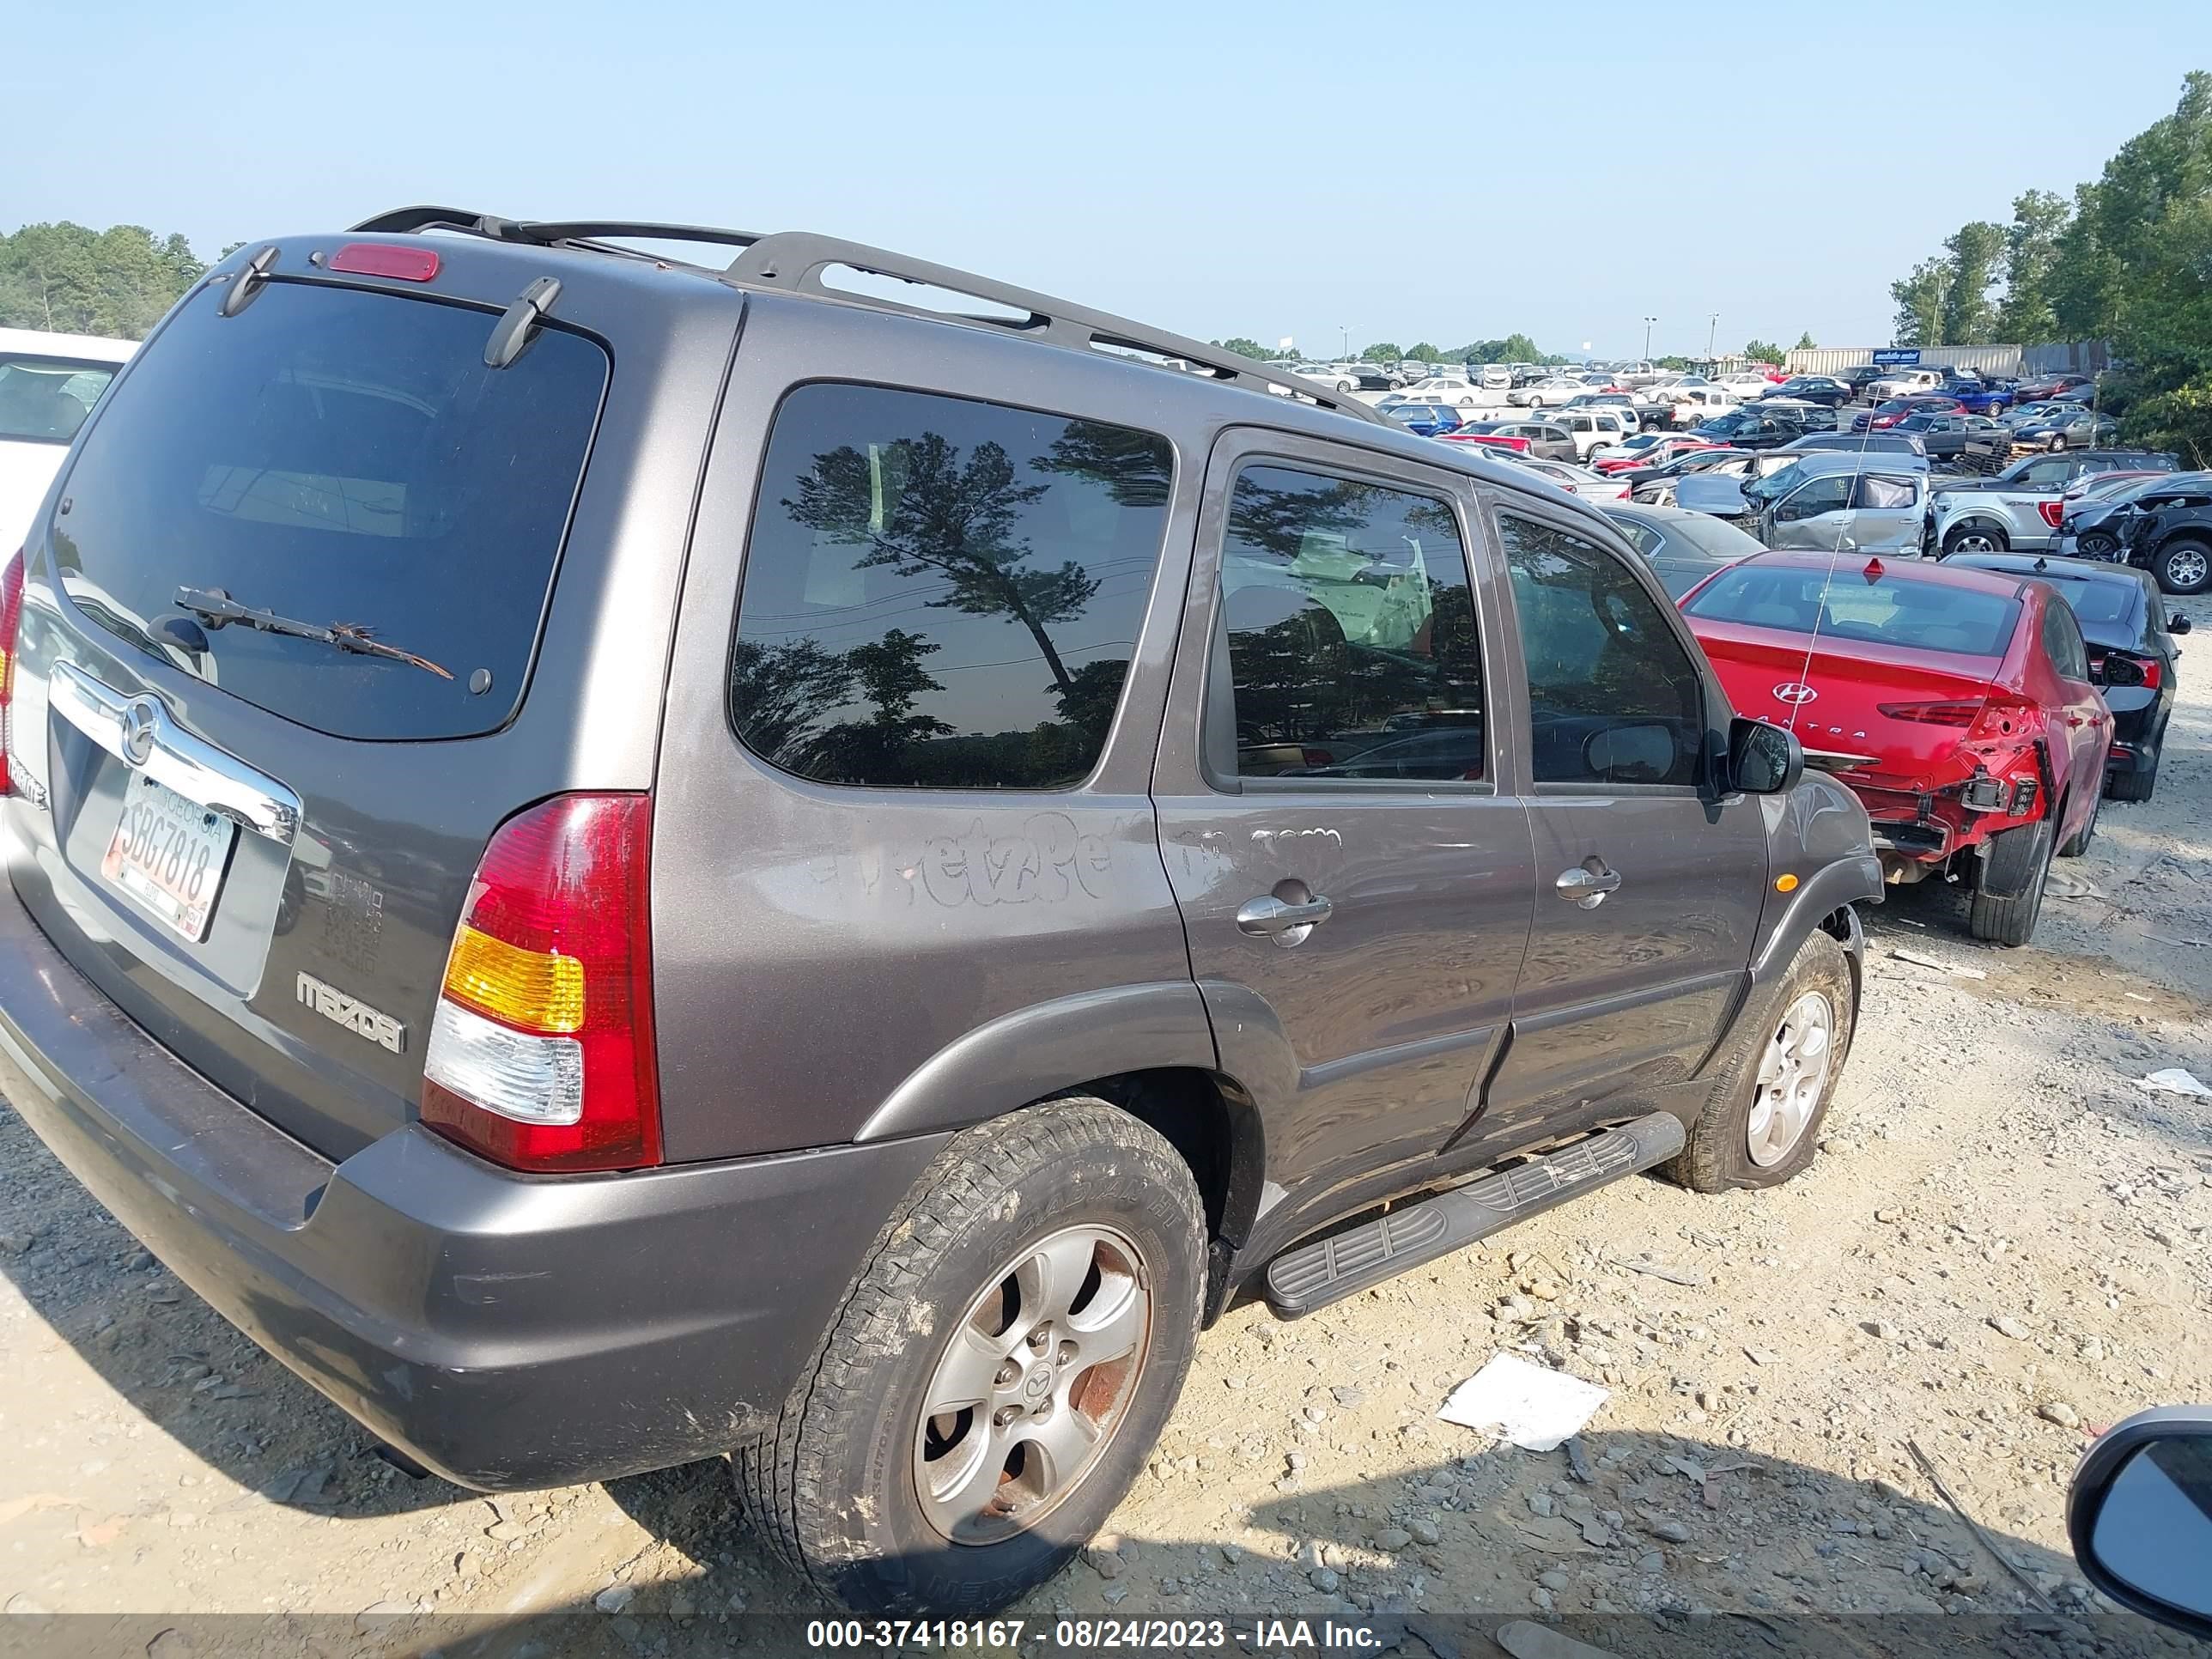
2052	512
11	621
1933	714
541	1053
2114	669
409	265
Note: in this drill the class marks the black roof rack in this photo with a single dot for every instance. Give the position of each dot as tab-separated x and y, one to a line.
794	261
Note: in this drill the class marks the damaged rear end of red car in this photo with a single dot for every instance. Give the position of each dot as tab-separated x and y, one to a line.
1934	692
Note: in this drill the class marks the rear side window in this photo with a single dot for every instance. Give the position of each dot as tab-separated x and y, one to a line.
942	593
2061	639
338	457
1351	624
44	400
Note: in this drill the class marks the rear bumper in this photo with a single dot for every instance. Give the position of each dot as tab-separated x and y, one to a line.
506	1332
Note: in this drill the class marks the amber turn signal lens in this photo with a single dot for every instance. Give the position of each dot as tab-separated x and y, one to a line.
535	990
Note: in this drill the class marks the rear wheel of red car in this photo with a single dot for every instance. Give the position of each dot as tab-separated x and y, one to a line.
2019	858
999	1371
2086	833
1762	1121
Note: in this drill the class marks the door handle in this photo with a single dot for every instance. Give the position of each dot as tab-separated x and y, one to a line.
1285	922
1585	888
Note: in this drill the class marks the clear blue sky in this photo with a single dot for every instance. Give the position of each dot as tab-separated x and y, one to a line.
1449	171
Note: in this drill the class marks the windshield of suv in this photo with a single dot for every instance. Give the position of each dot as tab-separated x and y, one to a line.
1895	612
342	457
44	400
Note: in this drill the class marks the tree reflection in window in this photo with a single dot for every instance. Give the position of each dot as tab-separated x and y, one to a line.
1351	630
941	593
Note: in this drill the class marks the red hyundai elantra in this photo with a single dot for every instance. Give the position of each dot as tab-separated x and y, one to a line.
1956	703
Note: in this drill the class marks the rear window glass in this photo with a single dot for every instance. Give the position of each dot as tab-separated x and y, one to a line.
2095	602
44	400
941	593
343	460
1915	615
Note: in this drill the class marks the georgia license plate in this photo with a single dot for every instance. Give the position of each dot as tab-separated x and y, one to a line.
170	855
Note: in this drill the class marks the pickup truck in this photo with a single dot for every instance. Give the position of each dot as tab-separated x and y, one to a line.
2021	507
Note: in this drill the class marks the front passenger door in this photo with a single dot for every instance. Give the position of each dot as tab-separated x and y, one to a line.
1814	514
1648	886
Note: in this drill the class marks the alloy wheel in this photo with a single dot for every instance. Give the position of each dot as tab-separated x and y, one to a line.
1792	1075
1032	1384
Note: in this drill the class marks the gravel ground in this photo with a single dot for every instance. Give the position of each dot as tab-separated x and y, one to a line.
2003	1248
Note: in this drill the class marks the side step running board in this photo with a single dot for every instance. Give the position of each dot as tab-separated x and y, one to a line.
1309	1276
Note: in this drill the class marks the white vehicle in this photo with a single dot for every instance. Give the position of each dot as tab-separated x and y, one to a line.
48	385
1592	428
1576	480
1454	389
1328	374
1746	386
1693	403
1495	377
1903	383
1555	390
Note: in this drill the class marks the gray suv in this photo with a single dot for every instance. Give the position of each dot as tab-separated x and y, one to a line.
622	860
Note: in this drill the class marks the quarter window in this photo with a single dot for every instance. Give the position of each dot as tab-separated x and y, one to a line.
1614	698
1351	627
941	593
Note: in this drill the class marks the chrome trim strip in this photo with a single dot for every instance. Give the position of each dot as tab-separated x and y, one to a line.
193	767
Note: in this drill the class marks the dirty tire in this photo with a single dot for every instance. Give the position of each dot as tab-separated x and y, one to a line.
2012	921
2082	838
1716	1157
2131	786
832	1488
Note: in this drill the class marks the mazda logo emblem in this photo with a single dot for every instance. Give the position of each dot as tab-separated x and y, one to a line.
1793	693
138	724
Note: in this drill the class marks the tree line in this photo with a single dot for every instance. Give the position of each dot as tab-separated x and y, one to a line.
2126	259
70	279
1515	347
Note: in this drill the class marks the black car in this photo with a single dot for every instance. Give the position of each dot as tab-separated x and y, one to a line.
2132	654
1682	548
1814	389
2087	527
1858	379
1753	429
2169	535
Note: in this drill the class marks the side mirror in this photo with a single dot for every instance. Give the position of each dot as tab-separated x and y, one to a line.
1764	759
2177	624
2139	1515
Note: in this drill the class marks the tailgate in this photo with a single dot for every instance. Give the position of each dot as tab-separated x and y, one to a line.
258	840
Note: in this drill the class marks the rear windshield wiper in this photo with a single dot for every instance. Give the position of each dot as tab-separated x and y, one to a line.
218	610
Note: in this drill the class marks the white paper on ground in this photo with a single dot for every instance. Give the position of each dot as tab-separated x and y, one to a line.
1534	1408
2174	1080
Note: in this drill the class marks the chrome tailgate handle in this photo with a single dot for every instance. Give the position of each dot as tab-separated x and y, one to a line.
141	732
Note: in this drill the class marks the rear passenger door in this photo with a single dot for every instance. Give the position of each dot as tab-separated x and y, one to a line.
1355	877
1886	511
1649	886
2088	728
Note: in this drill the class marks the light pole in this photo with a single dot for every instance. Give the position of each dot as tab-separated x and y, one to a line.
1647	321
1346	328
1712	329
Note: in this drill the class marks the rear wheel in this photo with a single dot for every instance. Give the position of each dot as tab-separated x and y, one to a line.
1761	1123
2183	566
2086	833
999	1371
2017	858
1975	536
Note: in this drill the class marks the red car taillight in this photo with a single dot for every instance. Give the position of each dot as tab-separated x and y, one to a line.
1933	714
11	623
542	1054
2052	512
